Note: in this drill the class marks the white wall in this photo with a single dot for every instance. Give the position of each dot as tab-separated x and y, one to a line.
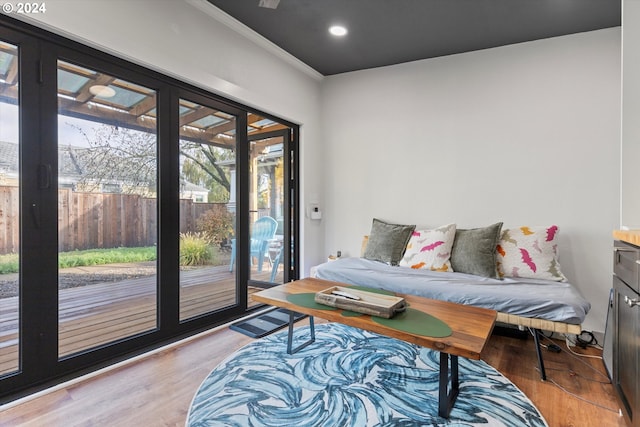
524	134
630	194
191	40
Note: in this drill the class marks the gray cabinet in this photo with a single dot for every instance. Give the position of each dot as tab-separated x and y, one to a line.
626	329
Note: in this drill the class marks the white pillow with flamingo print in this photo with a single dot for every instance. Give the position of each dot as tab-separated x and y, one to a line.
529	252
430	249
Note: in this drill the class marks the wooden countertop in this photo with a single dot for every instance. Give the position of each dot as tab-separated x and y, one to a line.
629	236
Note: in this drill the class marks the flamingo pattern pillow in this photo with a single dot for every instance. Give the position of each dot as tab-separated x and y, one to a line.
529	252
430	249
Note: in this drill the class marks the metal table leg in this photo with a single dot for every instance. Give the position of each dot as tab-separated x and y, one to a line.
536	340
447	399
290	336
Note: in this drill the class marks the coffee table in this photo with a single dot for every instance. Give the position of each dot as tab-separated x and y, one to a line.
470	326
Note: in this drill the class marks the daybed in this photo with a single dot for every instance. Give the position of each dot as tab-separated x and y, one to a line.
516	272
539	304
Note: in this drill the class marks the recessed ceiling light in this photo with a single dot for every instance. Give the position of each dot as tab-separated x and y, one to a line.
338	30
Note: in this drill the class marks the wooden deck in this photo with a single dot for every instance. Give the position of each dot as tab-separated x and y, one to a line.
101	313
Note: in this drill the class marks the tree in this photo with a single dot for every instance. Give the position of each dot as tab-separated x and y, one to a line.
117	156
201	166
129	157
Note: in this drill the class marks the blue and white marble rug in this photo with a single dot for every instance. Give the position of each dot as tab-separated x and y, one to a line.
350	377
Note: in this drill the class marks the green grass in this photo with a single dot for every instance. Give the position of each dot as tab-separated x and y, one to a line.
9	263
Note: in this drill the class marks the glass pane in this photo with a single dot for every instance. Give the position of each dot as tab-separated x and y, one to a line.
266	214
107	210
207	210
9	210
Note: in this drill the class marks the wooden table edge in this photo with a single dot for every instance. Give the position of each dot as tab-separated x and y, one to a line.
485	316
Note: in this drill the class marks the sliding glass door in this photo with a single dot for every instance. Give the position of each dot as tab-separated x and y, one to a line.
130	203
208	146
9	209
269	218
107	207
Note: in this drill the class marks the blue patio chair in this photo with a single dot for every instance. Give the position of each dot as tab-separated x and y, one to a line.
277	260
262	232
276	263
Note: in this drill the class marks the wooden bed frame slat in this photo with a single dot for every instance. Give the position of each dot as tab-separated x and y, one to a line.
543	325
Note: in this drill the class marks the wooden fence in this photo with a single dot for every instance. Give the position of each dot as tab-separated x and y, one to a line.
9	220
98	220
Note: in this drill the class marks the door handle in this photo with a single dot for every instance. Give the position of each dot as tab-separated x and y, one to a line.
35	214
44	176
631	302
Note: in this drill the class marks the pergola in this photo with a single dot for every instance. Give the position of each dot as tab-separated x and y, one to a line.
98	97
101	98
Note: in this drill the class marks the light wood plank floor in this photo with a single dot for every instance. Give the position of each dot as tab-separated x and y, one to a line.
157	390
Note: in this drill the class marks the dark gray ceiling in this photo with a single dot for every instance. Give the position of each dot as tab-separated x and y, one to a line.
385	32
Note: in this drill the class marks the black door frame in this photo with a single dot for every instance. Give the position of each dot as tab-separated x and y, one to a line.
40	366
290	217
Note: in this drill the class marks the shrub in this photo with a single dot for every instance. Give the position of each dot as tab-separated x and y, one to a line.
195	249
218	225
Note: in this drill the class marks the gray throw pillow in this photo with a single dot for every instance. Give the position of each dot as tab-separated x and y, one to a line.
387	242
474	251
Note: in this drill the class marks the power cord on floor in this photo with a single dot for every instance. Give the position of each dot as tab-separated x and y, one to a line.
573	373
586	339
567	341
616	411
578	355
552	381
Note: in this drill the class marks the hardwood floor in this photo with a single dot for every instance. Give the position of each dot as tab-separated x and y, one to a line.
157	390
584	377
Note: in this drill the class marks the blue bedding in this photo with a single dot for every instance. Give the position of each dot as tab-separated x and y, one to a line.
540	299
